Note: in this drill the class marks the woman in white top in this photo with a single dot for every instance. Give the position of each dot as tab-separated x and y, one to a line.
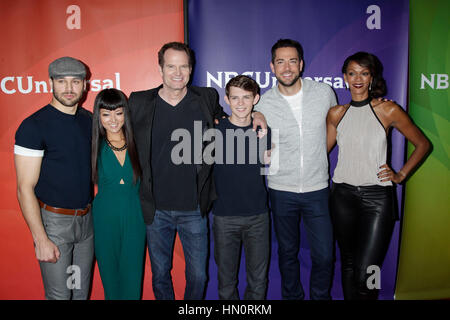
362	202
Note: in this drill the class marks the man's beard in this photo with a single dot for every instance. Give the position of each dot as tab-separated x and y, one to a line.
289	84
66	103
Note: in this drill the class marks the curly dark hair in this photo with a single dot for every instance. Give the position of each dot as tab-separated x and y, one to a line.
370	61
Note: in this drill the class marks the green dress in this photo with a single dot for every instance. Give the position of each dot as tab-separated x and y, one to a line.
119	228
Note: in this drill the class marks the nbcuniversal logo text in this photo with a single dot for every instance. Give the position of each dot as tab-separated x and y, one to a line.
264	79
437	81
26	85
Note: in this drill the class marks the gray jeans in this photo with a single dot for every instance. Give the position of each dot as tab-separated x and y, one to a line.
229	233
70	277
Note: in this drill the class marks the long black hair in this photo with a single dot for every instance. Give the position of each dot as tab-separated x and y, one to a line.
371	62
111	99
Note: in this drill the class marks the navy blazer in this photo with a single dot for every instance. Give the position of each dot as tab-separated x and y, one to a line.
142	110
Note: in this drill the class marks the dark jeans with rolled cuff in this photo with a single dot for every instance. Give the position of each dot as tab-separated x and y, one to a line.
363	220
230	232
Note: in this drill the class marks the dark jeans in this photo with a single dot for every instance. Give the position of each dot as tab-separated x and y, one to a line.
229	233
193	231
363	220
288	209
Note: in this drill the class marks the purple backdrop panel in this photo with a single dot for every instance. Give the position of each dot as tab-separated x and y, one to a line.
234	37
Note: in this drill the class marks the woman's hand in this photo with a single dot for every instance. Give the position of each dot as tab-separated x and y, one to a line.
387	174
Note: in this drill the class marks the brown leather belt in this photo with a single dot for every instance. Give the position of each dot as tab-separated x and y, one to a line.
68	212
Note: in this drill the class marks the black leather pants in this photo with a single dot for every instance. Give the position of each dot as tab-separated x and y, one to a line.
363	220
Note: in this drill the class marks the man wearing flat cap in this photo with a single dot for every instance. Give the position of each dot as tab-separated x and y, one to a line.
53	166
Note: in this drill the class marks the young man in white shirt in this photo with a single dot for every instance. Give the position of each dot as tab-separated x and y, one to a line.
298	188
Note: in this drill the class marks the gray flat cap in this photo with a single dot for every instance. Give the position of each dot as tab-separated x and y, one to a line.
67	67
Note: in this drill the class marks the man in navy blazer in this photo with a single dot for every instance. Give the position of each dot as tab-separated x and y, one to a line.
176	195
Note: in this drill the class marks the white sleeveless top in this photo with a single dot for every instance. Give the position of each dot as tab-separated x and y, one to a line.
362	143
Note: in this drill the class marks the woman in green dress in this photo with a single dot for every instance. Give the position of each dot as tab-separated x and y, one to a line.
119	227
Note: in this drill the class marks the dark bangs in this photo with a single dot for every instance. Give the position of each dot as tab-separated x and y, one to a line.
111	99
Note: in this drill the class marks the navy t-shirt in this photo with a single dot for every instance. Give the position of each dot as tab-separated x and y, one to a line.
175	179
239	171
65	176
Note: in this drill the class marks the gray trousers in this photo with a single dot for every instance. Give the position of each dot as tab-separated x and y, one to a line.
229	233
70	277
